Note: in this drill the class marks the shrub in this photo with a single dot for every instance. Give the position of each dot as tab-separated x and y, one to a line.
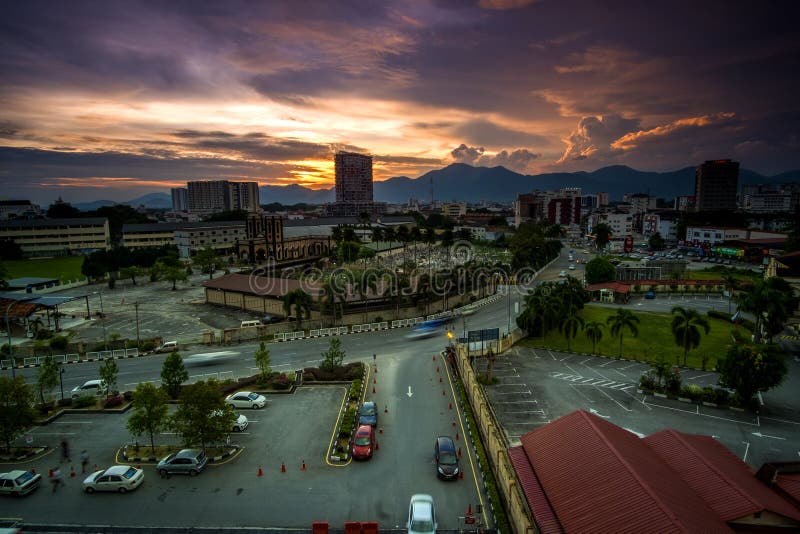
148	345
128	396
348	422
722	396
43	333
65	402
84	401
378	319
708	394
692	391
114	401
281	382
355	390
719	315
672	382
648	382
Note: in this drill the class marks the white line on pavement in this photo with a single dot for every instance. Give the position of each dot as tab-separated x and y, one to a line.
611	398
703	414
621	373
515	393
781	420
72	422
517	402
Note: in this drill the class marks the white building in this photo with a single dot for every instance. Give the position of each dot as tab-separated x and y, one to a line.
57	237
714	234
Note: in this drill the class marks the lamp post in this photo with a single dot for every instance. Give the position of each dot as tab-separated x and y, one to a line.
136	307
8	330
103	319
61	379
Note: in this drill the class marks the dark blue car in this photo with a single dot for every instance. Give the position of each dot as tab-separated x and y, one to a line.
368	414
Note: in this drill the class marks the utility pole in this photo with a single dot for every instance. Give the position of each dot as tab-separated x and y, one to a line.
138	342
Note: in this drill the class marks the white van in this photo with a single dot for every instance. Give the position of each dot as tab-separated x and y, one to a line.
90	387
168	346
246	324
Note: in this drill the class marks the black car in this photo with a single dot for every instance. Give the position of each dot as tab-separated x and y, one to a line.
446	458
269	319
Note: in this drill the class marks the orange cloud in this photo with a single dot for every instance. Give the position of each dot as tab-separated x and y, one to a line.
631	140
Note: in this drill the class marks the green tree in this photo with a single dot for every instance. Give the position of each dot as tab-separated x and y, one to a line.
621	321
206	260
96	265
47	377
602	233
656	242
150	412
731	283
131	272
202	416
108	373
333	357
594	331
686	324
748	369
173	374
299	302
570	325
16	408
599	270
174	274
348	251
263	361
769	301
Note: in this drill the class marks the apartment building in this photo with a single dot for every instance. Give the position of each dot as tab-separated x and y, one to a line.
57	237
214	196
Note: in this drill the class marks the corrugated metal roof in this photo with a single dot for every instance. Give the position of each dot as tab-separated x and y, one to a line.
726	483
599	477
543	513
790	483
260	285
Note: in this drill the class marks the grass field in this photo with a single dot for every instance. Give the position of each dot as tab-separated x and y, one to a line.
655	339
66	268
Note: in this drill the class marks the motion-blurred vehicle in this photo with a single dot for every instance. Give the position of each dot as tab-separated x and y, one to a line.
422	332
119	478
209	358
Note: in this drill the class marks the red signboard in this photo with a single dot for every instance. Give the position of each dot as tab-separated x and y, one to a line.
628	245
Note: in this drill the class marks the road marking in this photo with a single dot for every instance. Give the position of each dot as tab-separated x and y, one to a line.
598	414
609	362
700	376
612	399
72	422
552	355
782	420
409	392
523	384
528	392
516	402
701	414
629	366
526	411
760	435
584	361
621	373
579	392
744	459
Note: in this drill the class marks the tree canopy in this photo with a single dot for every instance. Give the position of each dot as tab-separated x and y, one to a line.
748	369
599	270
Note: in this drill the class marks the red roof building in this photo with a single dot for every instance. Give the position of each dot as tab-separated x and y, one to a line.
582	473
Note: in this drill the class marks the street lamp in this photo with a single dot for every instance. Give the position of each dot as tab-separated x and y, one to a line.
61	379
103	319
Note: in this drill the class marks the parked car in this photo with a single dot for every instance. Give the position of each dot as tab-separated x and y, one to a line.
571	267
649	295
186	461
120	478
562	274
168	346
446	458
90	387
368	414
239	424
269	319
363	443
246	399
421	515
19	482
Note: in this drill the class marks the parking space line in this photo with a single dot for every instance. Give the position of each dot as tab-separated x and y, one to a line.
621	373
609	362
611	398
517	402
512	384
699	376
704	414
515	393
72	422
581	393
629	366
586	360
552	355
591	379
526	411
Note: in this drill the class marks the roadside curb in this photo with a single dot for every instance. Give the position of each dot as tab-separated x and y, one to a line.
30	453
232	450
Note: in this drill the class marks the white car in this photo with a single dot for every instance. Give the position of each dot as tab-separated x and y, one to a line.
90	387
120	478
562	274
421	515
571	267
246	399
19	482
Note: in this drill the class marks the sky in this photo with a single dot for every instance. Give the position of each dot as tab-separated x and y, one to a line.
115	99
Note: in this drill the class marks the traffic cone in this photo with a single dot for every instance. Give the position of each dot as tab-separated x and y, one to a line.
283	468
434	357
373	390
440	379
437	368
469	509
459	452
51	473
377	446
260	471
451	405
374	381
303	468
380	430
138	466
454	423
33	470
376	369
461	475
385	409
71	472
456	435
442	393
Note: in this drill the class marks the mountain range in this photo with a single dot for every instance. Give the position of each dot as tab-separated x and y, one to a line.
461	182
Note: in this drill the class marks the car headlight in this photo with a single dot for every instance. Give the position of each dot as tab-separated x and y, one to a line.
441	470
455	471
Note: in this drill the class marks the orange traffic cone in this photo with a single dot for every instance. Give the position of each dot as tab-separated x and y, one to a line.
461	475
456	435
377	446
260	471
303	468
459	452
380	430
385	409
434	357
71	472
440	379
283	468
374	381
376	369
469	509
454	423
373	390
442	393
451	405
437	368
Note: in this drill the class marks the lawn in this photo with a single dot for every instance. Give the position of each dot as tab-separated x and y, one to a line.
655	339
65	268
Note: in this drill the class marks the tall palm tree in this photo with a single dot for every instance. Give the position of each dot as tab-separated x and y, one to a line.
403	235
551	311
623	320
764	301
377	236
416	236
685	325
594	331
570	324
368	281
299	301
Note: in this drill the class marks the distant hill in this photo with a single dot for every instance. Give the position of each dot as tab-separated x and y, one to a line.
152	200
91	206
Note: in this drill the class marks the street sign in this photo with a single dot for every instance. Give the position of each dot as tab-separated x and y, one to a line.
487	334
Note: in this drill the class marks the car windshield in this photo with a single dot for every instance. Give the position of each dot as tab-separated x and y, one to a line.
447	458
129	473
422	525
24	477
252	396
368	410
362	440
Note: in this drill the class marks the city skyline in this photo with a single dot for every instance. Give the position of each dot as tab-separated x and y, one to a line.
142	97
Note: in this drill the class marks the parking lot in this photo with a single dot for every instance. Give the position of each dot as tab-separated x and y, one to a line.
537	386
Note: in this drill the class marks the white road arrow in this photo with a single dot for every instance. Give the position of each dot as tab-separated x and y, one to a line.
593	411
760	435
409	392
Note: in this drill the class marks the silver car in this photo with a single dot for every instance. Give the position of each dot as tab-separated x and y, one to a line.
187	461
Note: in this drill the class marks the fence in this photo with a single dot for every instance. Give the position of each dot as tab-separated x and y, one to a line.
75	358
495	441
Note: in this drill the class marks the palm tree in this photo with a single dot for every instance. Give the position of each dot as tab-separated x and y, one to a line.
403	235
366	282
300	301
570	324
389	234
731	283
767	303
415	235
685	325
377	236
623	320
550	311
594	331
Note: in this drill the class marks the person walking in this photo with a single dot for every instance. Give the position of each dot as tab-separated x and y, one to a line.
84	461
65	451
55	478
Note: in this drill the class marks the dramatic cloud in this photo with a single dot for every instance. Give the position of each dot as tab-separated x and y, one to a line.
155	92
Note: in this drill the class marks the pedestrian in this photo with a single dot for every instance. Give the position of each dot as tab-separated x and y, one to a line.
55	478
65	451
84	460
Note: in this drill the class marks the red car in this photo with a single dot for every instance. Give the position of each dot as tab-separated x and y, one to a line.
363	443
